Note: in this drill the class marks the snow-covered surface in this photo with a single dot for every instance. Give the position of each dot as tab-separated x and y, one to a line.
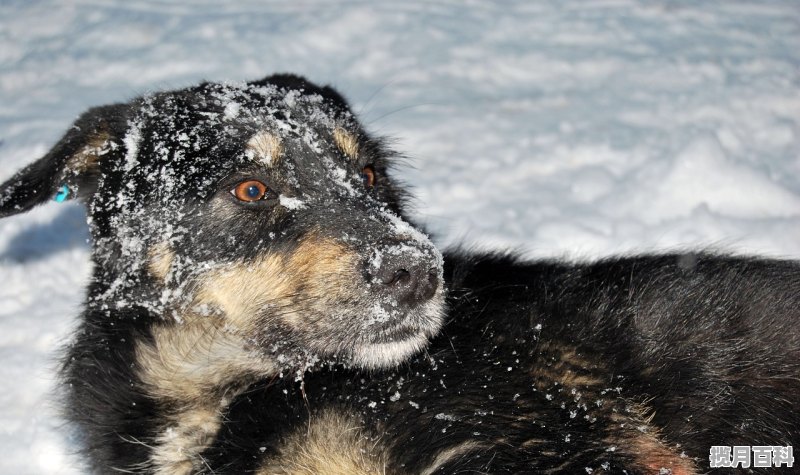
563	128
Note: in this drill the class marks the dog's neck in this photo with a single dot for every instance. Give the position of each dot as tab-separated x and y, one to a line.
196	362
194	368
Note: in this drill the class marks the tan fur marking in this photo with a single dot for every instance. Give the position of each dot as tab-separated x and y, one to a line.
234	290
199	367
266	148
316	269
639	439
188	362
569	369
533	443
449	454
88	156
656	457
177	450
159	260
346	142
582	376
324	270
334	444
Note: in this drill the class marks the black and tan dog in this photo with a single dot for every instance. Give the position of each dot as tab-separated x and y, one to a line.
240	232
259	304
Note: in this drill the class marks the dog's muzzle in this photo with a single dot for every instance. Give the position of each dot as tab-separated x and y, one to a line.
404	273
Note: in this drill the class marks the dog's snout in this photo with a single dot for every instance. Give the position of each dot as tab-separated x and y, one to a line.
408	278
395	277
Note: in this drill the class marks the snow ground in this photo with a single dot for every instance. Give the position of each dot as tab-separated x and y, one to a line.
563	128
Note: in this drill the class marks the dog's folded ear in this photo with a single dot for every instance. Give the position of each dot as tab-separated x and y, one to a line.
70	169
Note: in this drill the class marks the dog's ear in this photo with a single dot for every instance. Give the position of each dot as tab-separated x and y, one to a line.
70	169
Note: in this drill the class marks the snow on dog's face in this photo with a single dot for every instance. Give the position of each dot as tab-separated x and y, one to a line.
264	205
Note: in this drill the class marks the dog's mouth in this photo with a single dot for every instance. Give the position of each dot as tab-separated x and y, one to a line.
389	352
403	322
396	340
395	334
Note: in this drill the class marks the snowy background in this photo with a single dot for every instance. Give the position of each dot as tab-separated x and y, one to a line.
565	129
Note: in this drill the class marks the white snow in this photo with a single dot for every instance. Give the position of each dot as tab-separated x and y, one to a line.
131	140
291	203
232	110
564	128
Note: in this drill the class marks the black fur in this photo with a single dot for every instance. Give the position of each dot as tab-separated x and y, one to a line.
710	345
627	365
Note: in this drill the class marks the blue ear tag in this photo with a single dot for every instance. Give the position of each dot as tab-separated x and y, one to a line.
62	194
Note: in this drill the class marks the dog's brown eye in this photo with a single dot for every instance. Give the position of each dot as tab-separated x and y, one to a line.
368	176
249	191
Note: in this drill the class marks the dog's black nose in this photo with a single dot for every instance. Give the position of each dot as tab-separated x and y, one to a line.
410	280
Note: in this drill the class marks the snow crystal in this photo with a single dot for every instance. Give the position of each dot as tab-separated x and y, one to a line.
232	110
131	141
445	417
377	314
291	203
290	99
339	176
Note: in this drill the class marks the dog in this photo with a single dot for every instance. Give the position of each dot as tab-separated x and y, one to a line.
261	303
239	232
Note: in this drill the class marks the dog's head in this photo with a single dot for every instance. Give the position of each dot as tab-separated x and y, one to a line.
263	204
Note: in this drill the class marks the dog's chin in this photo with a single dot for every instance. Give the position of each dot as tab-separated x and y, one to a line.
381	355
394	343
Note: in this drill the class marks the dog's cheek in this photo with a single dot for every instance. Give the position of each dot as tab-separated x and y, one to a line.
241	291
305	292
327	292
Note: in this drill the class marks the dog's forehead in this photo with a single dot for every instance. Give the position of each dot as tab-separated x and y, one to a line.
205	133
236	113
